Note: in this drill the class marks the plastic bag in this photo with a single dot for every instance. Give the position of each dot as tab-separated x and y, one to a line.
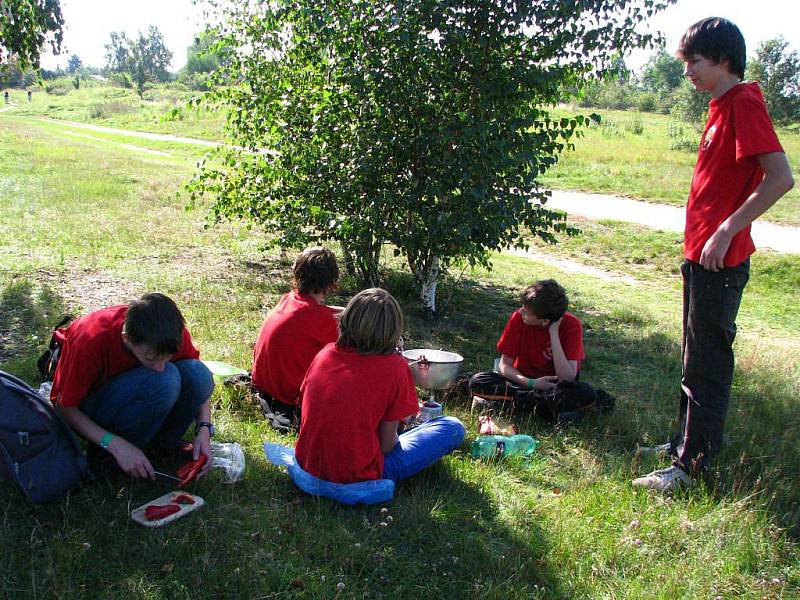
230	458
362	492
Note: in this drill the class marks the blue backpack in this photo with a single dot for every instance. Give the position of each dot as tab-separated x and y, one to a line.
38	451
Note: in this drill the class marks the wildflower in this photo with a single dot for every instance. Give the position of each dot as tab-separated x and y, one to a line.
340	586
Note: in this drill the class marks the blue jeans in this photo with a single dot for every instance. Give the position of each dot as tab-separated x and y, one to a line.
144	406
422	446
710	305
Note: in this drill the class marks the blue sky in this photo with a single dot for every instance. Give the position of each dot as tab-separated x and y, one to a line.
89	22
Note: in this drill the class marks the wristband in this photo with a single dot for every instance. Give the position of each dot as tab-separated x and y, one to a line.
106	440
531	383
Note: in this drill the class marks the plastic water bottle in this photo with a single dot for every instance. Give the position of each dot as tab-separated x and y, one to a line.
503	445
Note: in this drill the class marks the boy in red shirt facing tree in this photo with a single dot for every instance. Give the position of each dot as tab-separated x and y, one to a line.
297	328
356	392
128	379
741	172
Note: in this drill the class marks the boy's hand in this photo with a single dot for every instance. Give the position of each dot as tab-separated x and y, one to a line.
131	459
553	327
547	382
202	445
713	256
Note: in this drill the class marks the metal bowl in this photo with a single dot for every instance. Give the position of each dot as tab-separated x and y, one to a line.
433	369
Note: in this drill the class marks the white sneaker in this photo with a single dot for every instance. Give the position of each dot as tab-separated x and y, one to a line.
664	480
660	450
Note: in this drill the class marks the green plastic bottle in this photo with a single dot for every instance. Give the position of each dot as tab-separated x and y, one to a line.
503	445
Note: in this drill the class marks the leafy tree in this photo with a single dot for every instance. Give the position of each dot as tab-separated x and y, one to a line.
419	124
74	63
662	74
155	55
25	27
118	53
202	56
777	69
145	59
688	104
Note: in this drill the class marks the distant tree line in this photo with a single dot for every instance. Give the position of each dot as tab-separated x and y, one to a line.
661	86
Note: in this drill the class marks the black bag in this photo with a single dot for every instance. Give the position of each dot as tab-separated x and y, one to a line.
568	401
47	362
38	451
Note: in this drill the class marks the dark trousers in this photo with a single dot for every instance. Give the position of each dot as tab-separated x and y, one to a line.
710	303
566	397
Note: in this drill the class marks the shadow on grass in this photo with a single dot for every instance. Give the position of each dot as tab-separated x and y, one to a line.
260	537
28	313
629	357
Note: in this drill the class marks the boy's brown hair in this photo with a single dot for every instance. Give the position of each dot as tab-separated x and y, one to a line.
716	39
155	322
371	323
546	299
315	271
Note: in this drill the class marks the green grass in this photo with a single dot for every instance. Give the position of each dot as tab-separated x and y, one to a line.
627	154
86	225
100	103
612	158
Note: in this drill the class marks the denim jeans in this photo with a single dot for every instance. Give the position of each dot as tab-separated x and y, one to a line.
422	446
143	405
710	303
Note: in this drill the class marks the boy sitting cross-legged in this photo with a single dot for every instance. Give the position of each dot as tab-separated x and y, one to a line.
541	354
354	395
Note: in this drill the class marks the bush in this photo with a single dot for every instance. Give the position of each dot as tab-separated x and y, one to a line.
57	88
647	102
635	125
688	104
122	80
107	109
610	129
683	136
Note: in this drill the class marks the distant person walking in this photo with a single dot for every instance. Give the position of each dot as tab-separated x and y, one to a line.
5	96
741	172
30	96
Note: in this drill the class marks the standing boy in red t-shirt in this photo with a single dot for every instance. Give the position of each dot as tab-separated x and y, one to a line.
355	393
128	378
292	334
541	351
741	172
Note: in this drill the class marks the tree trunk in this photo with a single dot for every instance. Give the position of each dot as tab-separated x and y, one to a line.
427	277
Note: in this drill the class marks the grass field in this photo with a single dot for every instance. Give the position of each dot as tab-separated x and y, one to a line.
627	154
86	224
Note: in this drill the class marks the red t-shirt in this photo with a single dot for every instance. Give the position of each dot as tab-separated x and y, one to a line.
346	395
92	353
529	345
292	334
727	170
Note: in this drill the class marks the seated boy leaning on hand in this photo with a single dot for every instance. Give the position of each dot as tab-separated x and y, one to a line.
541	347
128	378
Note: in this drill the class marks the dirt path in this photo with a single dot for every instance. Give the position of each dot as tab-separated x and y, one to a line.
780	238
162	137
